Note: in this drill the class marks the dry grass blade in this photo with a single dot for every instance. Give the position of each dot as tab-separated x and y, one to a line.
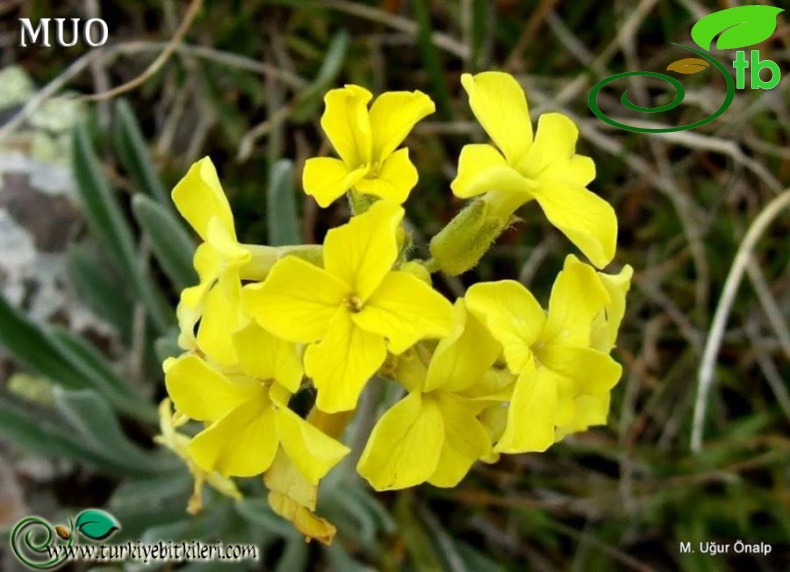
739	265
157	64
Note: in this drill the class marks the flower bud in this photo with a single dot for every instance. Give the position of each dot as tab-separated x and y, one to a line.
462	243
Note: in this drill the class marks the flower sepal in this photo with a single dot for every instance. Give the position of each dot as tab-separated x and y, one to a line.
461	244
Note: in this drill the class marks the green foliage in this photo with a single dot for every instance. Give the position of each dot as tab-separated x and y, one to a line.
104	213
281	216
170	243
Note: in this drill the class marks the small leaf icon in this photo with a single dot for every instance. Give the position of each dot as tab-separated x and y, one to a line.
688	65
96	524
739	27
62	531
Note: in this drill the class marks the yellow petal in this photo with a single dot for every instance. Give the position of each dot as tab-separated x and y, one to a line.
342	362
230	251
576	298
405	310
494	386
221	317
327	179
224	486
567	392
592	371
591	410
265	356
240	444
607	323
283	477
404	447
190	306
166	426
410	370
393	115
466	441
395	178
203	393
361	252
462	357
208	263
585	218
494	419
199	197
310	450
578	169
294	498
296	301
347	124
499	104
530	416
311	525
555	143
512	315
474	163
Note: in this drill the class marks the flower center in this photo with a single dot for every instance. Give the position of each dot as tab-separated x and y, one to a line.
373	170
353	303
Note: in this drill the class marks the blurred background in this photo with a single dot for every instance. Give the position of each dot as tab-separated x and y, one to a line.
93	255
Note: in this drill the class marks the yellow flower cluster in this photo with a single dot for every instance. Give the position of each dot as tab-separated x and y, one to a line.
488	374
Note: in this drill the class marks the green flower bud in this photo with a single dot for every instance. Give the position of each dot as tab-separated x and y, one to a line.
462	243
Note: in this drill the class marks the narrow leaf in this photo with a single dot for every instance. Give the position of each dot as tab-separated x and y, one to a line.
42	432
87	359
431	59
99	203
170	243
294	557
131	148
308	100
31	431
101	377
66	360
98	284
93	421
34	349
258	512
167	346
282	218
108	222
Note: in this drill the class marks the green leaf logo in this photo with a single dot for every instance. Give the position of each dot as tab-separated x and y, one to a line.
96	524
739	27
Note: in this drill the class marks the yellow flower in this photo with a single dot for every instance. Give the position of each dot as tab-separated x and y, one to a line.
247	418
594	409
179	443
550	352
433	434
366	142
201	201
521	168
352	310
220	260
